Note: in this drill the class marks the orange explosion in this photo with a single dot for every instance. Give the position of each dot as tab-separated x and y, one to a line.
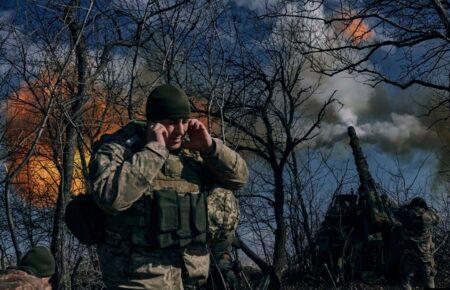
39	179
358	31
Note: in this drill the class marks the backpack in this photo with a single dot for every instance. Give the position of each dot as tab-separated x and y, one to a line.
85	220
83	216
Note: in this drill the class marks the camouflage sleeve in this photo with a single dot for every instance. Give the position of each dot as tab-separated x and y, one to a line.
227	166
435	217
19	279
119	177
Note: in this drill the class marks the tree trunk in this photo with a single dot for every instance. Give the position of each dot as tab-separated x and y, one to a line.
73	124
279	254
57	245
303	210
10	220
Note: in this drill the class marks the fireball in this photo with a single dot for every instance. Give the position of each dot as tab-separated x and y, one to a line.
358	31
39	179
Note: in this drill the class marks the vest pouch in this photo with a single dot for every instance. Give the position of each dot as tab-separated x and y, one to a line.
184	203
199	216
180	219
167	206
164	240
168	219
139	218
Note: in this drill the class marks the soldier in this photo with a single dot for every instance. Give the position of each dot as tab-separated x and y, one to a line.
33	272
223	217
152	185
417	257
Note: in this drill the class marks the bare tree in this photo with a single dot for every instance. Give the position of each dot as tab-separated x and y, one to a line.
413	36
270	110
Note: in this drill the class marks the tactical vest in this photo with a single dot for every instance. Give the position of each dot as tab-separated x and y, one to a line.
172	213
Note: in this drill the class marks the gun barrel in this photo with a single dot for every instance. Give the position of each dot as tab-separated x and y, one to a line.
362	167
376	210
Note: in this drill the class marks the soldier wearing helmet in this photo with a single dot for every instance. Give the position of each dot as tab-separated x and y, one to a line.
417	259
155	182
33	271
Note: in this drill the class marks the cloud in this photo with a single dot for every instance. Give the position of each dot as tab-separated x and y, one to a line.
381	116
304	28
6	16
401	134
256	5
353	95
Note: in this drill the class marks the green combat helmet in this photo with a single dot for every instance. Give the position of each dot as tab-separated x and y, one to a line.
39	262
167	102
418	202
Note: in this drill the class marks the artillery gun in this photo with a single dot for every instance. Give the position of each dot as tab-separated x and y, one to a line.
356	240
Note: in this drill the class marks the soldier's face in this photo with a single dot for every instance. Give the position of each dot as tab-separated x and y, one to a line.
176	129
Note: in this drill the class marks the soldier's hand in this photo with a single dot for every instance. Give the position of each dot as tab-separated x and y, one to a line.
199	138
157	132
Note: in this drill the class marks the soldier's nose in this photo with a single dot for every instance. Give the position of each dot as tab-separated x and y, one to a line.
179	128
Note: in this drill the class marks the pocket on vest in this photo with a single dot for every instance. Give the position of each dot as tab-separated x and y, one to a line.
180	219
167	205
198	213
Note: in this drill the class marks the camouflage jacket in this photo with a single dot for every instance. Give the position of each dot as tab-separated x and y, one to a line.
124	168
417	225
15	279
